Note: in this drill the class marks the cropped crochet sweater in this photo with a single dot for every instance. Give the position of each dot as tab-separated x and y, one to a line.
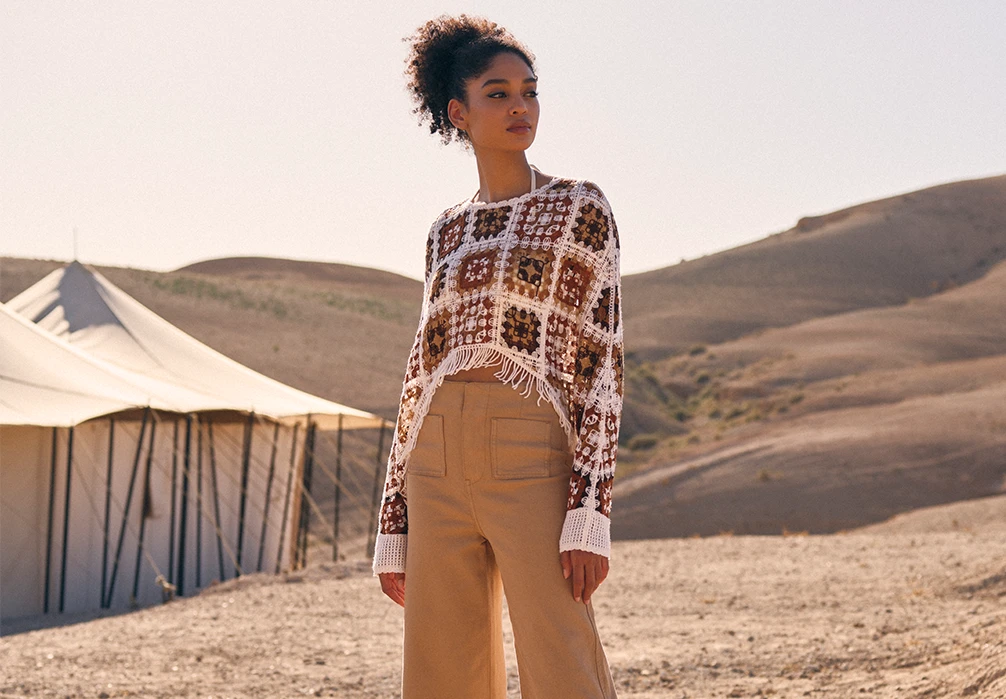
531	283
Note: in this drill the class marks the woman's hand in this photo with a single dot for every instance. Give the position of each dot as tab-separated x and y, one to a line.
393	585
588	570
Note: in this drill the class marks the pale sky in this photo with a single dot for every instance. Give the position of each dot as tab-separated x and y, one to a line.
170	132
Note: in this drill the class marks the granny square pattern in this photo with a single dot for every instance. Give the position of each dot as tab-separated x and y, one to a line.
532	285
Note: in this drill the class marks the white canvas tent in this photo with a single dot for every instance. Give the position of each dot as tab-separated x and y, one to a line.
134	460
85	309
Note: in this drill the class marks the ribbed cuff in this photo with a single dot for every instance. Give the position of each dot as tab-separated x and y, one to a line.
389	553
586	530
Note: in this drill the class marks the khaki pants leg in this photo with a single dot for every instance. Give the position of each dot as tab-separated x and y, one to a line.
497	498
453	596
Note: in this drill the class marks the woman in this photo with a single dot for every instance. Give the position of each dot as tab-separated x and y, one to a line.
489	487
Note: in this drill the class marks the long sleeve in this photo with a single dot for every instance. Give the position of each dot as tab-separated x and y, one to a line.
596	400
392	534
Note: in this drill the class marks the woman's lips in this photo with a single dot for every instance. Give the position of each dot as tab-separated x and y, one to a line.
519	129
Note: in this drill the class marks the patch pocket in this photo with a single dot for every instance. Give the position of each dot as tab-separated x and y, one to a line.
428	456
520	448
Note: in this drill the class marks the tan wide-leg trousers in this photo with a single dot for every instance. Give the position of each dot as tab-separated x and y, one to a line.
487	488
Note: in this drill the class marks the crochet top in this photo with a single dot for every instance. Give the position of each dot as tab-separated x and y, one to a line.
531	283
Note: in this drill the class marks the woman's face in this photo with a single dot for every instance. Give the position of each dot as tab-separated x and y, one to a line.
502	109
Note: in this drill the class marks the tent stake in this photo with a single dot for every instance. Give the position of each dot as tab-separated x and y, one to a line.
375	502
66	519
216	500
245	465
144	511
125	513
288	498
108	511
184	514
52	505
268	494
338	492
174	498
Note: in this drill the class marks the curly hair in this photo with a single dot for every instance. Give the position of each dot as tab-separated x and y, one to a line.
445	53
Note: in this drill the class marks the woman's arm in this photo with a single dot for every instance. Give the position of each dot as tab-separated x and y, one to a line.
392	534
597	399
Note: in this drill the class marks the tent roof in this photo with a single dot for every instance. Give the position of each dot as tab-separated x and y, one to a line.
46	382
92	314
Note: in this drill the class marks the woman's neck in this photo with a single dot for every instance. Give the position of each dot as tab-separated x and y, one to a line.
502	176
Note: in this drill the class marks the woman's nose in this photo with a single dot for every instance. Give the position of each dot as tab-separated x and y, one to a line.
519	106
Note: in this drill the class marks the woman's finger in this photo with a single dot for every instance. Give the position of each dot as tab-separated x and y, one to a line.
590	580
604	571
578	576
567	567
393	585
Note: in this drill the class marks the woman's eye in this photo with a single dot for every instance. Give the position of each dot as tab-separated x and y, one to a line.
529	93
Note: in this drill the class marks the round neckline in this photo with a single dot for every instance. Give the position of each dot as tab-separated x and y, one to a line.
472	202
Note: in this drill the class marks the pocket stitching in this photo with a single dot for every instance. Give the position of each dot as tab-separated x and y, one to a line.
441	470
543	471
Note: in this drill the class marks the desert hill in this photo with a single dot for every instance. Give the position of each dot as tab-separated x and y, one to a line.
828	376
832	423
879	253
846	376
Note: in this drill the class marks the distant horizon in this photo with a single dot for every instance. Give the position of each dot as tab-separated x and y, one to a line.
171	134
419	279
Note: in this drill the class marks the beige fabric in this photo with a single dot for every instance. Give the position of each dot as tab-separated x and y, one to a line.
170	369
488	481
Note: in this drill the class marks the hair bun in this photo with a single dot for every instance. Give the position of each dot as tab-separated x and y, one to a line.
445	53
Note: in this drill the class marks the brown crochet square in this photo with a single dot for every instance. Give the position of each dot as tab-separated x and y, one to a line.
591	229
545	220
574	279
451	235
477	269
491	222
521	329
529	272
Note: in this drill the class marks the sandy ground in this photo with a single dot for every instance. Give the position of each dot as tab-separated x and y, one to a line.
904	609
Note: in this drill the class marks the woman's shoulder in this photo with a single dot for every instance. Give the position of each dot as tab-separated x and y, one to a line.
579	188
591	190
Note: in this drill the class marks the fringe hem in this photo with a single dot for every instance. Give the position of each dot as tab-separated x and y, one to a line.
512	372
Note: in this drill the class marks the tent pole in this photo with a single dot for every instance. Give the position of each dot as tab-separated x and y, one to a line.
52	505
66	519
305	512
125	513
174	497
245	465
375	504
268	495
184	514
108	512
216	499
199	506
144	511
338	492
288	498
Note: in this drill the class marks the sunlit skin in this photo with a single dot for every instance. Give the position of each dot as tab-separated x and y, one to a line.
505	95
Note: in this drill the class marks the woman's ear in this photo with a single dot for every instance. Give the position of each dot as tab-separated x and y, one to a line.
457	113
